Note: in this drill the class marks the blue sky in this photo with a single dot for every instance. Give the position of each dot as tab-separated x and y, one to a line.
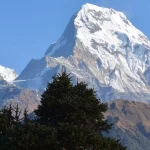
28	27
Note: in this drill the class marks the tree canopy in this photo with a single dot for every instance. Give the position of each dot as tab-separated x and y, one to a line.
70	117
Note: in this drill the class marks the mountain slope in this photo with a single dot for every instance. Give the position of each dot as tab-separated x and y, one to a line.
131	123
25	98
11	94
102	48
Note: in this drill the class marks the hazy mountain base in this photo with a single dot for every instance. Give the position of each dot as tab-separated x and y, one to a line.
131	123
25	98
55	66
134	141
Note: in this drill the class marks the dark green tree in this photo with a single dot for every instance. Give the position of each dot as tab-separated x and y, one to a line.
76	114
6	119
70	117
53	102
24	134
29	136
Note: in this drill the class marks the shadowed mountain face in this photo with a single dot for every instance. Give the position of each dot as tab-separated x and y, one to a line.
101	47
131	123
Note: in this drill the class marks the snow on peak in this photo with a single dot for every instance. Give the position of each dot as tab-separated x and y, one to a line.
98	24
7	73
89	6
105	24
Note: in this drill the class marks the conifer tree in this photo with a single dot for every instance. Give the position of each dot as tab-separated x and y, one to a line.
24	134
76	114
53	102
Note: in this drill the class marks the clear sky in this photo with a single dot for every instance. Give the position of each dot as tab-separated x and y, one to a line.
28	27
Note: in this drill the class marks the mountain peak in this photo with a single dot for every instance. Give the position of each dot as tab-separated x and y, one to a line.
106	24
87	7
101	47
94	7
100	24
7	74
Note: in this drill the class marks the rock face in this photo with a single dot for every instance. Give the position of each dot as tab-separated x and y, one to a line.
131	123
101	47
10	94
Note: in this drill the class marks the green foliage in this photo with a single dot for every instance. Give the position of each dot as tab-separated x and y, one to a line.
29	137
25	134
52	103
76	114
70	117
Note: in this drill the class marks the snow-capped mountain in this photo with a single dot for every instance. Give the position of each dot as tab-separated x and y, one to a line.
101	47
7	74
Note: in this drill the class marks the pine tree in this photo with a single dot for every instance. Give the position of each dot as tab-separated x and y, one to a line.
6	119
53	102
24	134
76	114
